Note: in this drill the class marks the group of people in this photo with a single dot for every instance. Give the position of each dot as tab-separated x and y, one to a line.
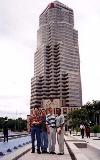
85	129
44	128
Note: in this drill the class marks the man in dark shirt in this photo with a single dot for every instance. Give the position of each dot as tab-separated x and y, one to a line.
44	135
5	129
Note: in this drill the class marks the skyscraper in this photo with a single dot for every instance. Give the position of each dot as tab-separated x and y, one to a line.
56	80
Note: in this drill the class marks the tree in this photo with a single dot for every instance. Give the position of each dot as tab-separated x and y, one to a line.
14	125
1	122
77	117
93	110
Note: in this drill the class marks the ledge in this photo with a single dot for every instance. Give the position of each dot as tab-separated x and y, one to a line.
75	152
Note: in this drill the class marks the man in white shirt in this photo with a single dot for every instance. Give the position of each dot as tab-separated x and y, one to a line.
60	131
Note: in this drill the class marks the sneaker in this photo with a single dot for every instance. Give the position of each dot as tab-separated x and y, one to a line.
60	153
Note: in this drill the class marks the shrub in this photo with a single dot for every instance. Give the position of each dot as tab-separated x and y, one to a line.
96	129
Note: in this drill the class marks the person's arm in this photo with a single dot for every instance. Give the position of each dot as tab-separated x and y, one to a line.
47	125
33	120
62	121
48	130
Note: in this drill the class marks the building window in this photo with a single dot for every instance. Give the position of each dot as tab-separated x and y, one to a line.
64	110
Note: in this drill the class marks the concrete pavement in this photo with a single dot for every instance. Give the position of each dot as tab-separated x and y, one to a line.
88	148
90	151
36	156
92	141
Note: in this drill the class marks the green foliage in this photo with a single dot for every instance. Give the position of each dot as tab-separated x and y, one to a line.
14	125
89	113
77	129
1	122
11	124
93	110
77	117
96	129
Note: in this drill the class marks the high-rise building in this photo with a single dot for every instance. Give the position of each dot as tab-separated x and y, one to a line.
56	80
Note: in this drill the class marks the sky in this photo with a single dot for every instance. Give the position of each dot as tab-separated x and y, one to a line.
19	21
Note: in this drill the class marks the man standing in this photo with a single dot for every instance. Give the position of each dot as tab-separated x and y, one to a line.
51	129
70	131
60	131
82	127
87	130
35	122
44	135
5	129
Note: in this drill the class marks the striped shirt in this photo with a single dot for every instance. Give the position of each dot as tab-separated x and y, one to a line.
51	120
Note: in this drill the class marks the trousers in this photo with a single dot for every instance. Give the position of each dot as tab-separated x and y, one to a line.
52	139
60	138
36	131
44	141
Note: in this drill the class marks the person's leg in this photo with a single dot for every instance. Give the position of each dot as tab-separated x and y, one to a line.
61	142
45	141
4	137
42	141
7	136
33	131
82	132
49	140
89	134
53	139
38	137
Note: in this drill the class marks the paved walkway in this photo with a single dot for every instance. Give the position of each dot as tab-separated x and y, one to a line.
92	141
36	156
92	152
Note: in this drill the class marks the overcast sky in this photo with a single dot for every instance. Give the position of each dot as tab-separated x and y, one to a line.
19	21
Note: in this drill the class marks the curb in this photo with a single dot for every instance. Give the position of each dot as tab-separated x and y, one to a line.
75	152
70	151
20	155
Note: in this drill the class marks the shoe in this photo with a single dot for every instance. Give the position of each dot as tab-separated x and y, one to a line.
46	152
38	151
33	152
52	153
60	153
